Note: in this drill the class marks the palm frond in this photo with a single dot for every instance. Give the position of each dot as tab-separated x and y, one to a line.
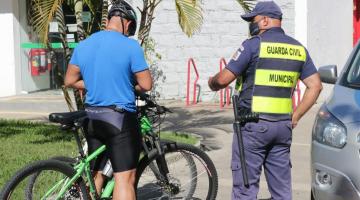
189	15
92	6
247	5
42	13
68	99
104	14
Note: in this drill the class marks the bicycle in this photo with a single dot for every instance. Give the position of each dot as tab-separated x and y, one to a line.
166	170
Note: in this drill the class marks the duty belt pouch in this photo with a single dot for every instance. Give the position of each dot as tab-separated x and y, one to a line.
245	115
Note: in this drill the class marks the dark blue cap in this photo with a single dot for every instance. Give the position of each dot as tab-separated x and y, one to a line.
265	8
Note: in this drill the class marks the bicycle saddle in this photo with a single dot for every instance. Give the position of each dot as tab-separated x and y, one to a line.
67	118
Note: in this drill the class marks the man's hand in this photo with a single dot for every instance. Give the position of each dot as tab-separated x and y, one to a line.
210	83
294	121
221	80
313	89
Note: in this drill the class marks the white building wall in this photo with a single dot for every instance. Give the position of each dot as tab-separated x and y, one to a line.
29	83
7	48
301	21
329	34
15	76
222	33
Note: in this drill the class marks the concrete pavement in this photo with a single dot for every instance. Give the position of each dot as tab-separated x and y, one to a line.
208	120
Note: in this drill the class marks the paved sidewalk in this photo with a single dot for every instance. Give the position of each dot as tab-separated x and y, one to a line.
208	120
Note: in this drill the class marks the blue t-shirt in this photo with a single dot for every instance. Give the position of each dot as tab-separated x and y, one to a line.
108	61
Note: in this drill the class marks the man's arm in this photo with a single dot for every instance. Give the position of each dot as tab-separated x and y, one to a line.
313	89
144	81
72	78
221	80
236	66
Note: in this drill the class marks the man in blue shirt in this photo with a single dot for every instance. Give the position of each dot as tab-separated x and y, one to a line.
268	66
112	67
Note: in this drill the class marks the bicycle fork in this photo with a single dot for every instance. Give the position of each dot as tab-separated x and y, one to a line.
161	162
161	169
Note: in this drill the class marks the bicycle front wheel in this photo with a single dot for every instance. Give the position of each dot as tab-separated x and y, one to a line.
192	175
52	177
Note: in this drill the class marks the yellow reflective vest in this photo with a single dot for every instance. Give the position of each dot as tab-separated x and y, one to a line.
276	75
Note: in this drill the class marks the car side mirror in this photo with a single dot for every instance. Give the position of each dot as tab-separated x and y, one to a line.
328	74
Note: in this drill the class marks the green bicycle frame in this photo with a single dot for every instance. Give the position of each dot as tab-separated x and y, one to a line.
84	166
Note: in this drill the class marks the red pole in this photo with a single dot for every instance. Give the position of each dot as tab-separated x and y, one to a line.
299	93
191	62
188	83
196	80
221	91
293	103
356	21
227	89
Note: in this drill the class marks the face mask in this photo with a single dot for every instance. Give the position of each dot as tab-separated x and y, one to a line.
254	28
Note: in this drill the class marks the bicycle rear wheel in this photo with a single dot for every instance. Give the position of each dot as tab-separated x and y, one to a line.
192	175
47	185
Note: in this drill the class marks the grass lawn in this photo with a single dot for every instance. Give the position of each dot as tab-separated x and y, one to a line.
22	142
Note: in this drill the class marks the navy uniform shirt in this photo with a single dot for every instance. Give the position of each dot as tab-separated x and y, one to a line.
246	57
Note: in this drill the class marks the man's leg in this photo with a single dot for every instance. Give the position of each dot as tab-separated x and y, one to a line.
99	181
124	151
277	164
124	185
255	151
96	165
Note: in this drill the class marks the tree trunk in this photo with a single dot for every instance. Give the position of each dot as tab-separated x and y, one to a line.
80	36
147	16
104	14
79	23
59	16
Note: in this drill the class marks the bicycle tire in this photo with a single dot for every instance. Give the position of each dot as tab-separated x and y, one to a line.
52	165
33	177
197	154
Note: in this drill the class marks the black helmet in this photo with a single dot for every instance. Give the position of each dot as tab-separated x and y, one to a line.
122	9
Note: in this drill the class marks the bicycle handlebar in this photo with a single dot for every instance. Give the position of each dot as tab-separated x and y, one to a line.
152	104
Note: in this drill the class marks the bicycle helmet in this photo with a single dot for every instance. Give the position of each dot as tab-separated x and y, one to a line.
123	9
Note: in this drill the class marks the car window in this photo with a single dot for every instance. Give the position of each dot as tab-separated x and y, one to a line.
353	76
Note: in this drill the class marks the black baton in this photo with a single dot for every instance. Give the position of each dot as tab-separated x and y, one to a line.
237	127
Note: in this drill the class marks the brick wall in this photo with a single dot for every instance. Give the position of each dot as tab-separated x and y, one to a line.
222	33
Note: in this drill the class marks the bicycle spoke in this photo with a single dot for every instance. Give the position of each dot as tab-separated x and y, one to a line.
188	178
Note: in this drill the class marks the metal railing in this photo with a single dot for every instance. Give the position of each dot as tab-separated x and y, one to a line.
227	89
191	62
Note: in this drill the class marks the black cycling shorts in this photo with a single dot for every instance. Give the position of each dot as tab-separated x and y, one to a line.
119	131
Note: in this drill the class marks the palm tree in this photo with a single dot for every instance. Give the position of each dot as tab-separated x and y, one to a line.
246	5
42	12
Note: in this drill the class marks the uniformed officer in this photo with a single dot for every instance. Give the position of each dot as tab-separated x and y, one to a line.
268	66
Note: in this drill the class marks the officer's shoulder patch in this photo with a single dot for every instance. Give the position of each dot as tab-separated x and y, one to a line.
236	55
241	49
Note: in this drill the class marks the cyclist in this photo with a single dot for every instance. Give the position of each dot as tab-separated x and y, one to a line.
112	67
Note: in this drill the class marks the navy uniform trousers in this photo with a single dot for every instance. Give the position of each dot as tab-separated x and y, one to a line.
267	144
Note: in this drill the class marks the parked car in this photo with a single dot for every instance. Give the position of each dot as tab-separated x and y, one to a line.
335	148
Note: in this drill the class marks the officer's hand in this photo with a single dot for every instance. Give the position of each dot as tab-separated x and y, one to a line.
210	83
294	121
